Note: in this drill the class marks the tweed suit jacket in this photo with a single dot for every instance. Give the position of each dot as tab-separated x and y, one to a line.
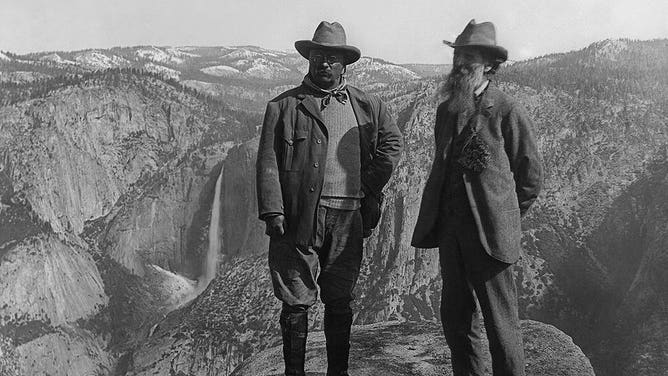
293	150
501	193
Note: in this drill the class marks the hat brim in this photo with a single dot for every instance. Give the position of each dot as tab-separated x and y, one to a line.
498	51
351	54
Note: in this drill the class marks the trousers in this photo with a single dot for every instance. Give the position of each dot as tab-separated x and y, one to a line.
332	262
474	283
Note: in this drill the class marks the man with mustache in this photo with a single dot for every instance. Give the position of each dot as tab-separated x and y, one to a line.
485	175
326	151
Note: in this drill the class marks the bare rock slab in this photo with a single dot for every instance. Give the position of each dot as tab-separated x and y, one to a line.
419	349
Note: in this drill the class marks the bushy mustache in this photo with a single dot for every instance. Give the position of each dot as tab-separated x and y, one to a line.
461	70
458	88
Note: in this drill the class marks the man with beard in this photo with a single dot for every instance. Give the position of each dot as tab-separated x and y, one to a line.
326	151
485	176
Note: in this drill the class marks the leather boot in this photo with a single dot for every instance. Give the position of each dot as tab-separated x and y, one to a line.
337	335
294	329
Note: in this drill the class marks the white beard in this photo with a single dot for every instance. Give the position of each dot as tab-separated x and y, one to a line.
459	87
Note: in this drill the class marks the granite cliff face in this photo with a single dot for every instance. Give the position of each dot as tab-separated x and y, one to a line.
105	190
59	278
631	244
243	233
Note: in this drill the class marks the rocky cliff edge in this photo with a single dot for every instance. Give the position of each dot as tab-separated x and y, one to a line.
419	349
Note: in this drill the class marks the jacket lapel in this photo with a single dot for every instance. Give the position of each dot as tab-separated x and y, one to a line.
486	105
361	106
487	101
311	106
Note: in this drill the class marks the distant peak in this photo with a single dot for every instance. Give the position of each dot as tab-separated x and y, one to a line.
609	48
169	55
99	60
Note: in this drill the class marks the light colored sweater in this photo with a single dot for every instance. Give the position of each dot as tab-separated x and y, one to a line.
342	188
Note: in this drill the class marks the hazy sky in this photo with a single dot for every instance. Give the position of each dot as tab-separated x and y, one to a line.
404	31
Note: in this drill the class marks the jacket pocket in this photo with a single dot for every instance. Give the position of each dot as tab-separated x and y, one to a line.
294	151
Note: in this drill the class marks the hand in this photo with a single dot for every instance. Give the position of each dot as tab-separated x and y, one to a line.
275	225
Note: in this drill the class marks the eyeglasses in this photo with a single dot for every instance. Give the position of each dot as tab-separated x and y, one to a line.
331	59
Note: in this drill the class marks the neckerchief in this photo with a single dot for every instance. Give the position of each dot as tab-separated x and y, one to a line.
338	92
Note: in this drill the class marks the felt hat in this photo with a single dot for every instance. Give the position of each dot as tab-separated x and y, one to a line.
481	35
329	36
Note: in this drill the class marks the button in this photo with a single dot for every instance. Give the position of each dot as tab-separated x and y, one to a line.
290	142
316	165
318	141
312	189
301	96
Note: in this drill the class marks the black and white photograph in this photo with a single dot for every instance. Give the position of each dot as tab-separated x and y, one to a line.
333	188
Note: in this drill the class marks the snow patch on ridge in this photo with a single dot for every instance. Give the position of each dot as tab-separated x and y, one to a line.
241	54
178	52
157	55
263	68
98	60
221	71
159	69
369	65
54	57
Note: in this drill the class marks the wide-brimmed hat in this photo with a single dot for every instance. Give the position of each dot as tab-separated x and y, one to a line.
329	36
482	35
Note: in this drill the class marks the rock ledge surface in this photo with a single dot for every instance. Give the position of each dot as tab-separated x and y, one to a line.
419	349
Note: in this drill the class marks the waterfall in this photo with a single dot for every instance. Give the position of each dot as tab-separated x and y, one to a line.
211	259
184	290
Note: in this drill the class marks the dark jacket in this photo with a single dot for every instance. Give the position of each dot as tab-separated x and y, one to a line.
503	191
293	148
